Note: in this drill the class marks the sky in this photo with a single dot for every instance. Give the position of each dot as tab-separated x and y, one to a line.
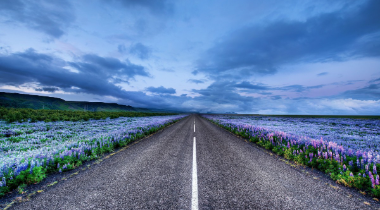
242	56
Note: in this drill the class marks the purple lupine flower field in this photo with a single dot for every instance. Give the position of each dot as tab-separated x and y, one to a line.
344	148
40	148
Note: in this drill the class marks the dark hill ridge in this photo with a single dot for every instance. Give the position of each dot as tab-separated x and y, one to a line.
17	100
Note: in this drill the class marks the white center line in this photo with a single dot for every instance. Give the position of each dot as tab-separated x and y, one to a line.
194	127
194	199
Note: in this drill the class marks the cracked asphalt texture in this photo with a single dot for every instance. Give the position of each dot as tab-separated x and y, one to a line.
156	172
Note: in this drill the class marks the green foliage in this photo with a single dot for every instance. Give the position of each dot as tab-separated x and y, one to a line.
289	154
44	140
33	115
25	177
278	150
3	190
268	145
15	139
376	191
299	159
39	173
21	188
357	182
254	139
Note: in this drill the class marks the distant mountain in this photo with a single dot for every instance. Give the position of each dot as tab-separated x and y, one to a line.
17	100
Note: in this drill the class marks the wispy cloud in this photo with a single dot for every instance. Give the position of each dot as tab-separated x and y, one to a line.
322	74
161	7
140	50
196	81
51	18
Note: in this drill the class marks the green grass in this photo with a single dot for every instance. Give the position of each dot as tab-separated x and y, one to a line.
32	115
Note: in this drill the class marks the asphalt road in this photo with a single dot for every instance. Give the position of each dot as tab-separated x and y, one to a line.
157	173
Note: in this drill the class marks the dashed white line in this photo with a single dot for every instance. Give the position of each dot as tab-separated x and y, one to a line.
194	127
194	199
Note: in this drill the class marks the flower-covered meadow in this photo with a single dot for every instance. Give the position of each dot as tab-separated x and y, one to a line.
30	151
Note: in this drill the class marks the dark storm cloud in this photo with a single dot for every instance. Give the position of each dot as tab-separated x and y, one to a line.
155	7
108	67
222	96
140	50
370	92
196	81
222	93
161	90
340	35
298	88
95	73
47	89
247	85
49	17
261	87
375	80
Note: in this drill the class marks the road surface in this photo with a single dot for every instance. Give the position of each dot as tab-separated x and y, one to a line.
194	164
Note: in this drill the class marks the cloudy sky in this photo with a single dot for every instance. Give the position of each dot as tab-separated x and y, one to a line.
243	56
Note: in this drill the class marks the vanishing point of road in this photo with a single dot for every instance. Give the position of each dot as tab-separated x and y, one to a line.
195	164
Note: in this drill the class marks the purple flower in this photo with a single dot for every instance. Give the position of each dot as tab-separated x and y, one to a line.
373	182
374	169
349	152
344	167
362	163
351	174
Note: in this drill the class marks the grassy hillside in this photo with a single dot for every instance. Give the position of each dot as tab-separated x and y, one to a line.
15	107
16	100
